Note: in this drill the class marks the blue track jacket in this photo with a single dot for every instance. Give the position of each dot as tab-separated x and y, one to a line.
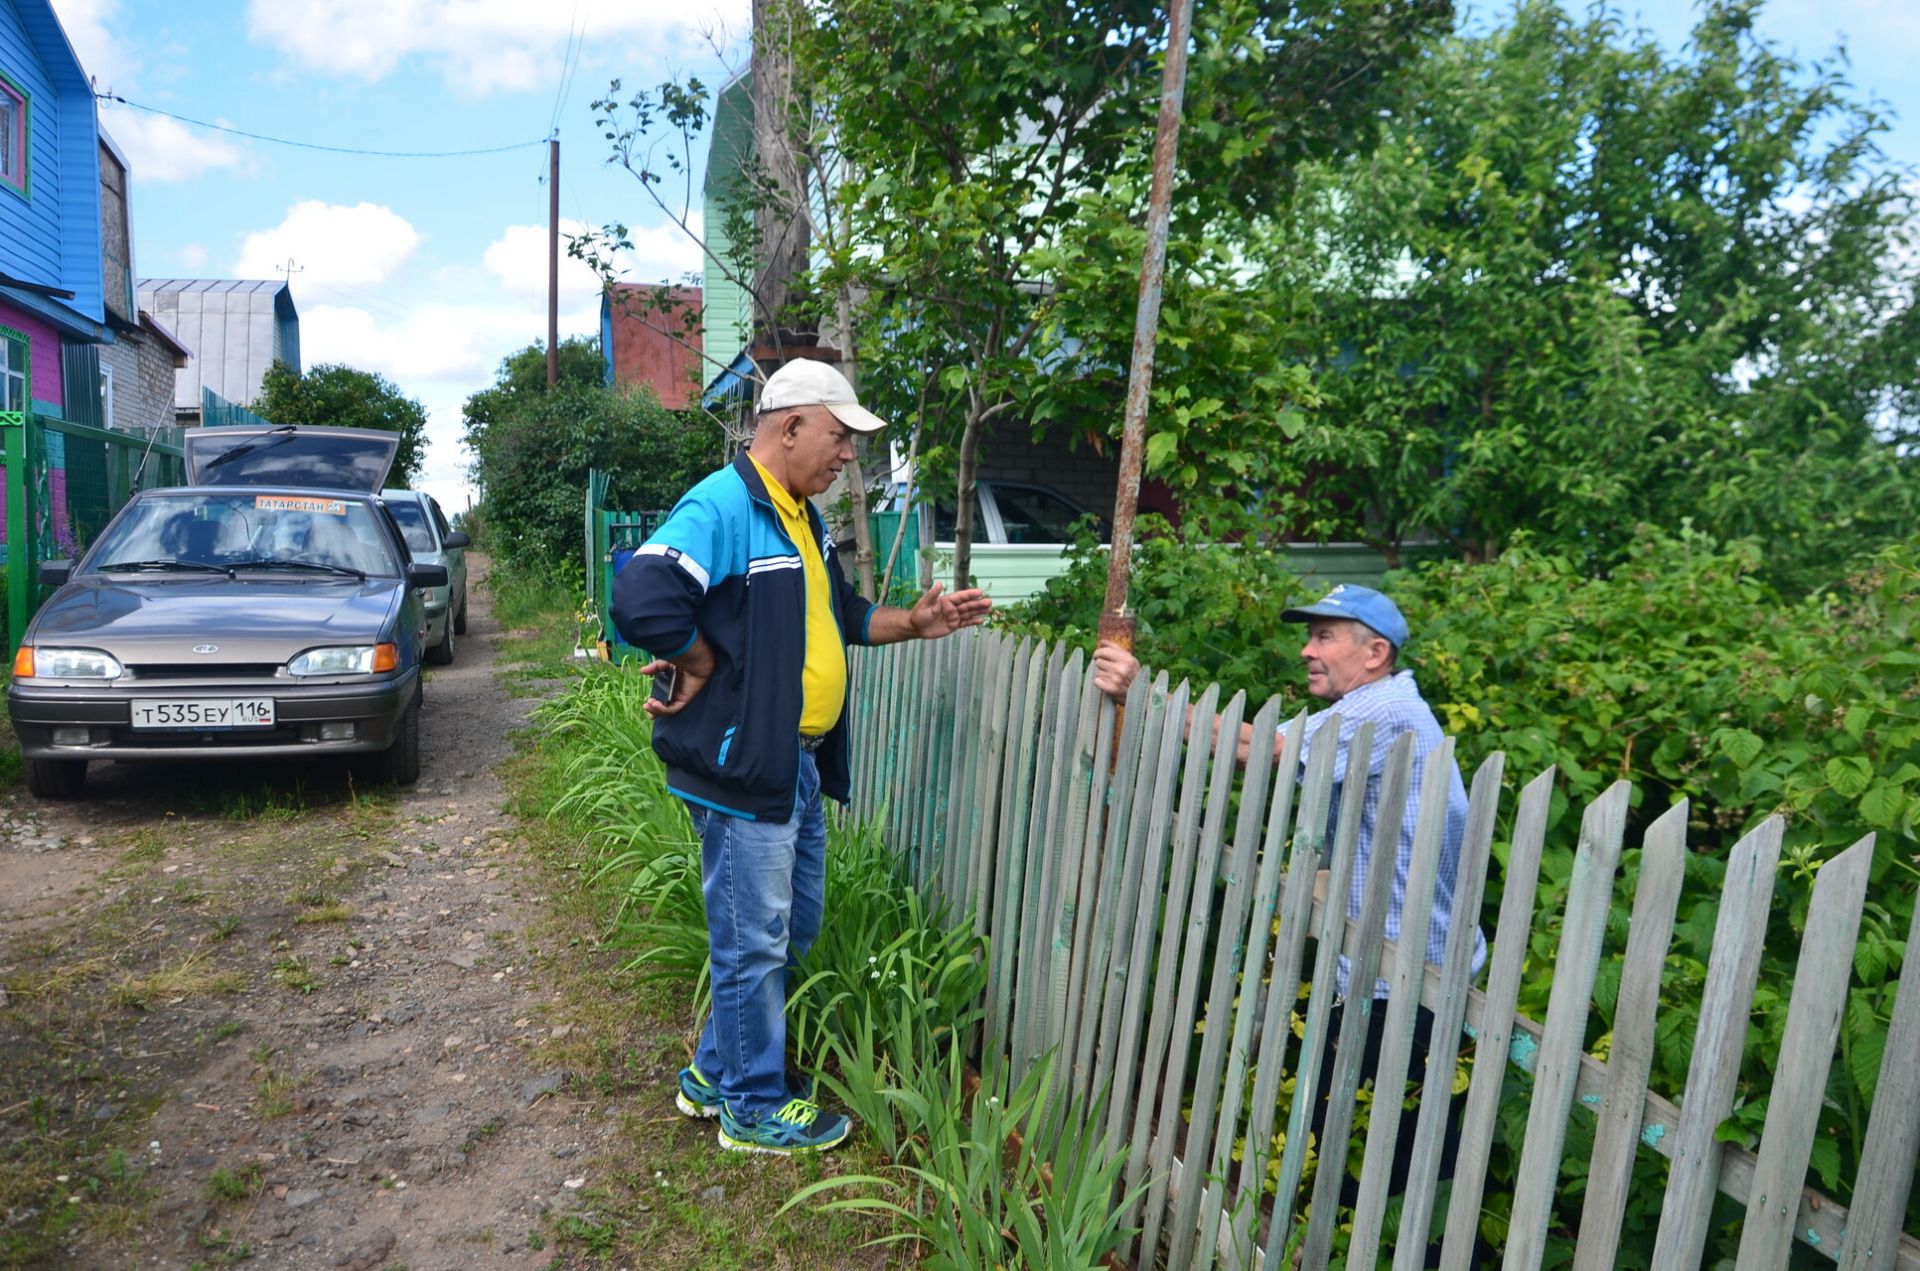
722	566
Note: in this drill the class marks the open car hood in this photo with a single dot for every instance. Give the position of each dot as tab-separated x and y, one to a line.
291	455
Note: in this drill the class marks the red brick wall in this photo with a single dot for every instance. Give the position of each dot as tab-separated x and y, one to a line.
645	353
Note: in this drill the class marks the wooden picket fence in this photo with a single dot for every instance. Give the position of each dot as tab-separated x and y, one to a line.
1123	911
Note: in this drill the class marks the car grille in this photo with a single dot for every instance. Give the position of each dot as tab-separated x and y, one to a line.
204	670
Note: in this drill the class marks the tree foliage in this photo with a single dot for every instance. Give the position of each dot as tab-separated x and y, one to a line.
342	396
1589	284
995	162
533	448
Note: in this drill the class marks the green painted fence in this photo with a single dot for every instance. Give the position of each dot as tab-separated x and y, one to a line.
1133	888
63	482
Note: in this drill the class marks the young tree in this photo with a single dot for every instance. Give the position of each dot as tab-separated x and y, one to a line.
997	164
1589	283
344	397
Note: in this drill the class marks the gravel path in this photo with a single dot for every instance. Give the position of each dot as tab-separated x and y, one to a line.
365	1088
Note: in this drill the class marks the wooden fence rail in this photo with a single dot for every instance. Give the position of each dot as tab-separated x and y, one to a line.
1139	893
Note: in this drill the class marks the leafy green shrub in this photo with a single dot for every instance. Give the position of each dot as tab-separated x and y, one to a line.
1205	613
533	448
1682	671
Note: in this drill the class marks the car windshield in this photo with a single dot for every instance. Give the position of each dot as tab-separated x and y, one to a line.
315	534
413	524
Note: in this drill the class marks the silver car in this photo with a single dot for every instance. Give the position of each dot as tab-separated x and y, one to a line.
269	610
434	542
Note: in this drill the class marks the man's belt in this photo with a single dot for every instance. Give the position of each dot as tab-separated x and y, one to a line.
811	742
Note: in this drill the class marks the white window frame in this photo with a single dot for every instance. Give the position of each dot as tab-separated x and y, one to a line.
106	396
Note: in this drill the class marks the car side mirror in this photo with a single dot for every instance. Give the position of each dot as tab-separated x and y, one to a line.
426	575
54	573
456	538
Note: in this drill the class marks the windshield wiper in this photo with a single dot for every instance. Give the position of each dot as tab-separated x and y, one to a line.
285	431
268	562
137	566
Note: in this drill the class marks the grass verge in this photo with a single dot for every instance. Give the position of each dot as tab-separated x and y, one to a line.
663	1193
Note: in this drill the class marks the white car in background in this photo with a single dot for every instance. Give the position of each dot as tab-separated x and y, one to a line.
434	542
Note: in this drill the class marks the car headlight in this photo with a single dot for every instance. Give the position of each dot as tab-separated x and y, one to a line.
65	664
346	659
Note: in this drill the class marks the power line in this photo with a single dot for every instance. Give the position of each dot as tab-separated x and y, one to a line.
309	145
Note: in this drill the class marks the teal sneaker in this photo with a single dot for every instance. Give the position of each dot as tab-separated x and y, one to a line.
697	1097
797	1127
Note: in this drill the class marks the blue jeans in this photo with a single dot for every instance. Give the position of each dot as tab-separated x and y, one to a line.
765	885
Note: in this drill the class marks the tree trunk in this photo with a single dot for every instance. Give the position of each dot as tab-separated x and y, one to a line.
780	207
968	467
856	472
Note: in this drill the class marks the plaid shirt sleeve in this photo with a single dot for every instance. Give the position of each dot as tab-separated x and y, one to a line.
1394	706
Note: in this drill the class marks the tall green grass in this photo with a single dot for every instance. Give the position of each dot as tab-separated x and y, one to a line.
884	1007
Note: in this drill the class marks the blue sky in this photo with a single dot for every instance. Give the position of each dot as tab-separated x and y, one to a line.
431	270
426	270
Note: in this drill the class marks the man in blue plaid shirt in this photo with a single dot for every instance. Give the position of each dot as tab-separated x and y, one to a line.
1354	637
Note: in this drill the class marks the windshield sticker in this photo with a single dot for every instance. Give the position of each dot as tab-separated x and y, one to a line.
293	503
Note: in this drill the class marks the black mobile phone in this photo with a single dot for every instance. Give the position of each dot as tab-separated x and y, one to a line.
664	682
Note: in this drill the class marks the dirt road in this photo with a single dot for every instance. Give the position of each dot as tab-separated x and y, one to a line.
261	1015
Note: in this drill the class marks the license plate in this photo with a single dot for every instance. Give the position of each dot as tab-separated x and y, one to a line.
205	712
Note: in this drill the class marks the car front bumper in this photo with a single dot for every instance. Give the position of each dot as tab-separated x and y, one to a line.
373	707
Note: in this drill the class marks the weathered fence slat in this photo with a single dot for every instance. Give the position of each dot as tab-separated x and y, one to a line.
1264	913
1316	800
1126	790
1129	981
1166	961
1806	1054
1363	946
1273	1019
995	708
1016	805
1734	966
1079	907
963	757
1228	963
1115	781
1403	1001
1617	1137
1196	922
1423	1166
1589	896
1048	758
1496	1029
1887	1161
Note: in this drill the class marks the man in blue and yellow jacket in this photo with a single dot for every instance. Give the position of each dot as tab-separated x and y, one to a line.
739	594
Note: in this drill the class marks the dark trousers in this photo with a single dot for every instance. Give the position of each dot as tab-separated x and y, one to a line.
1388	1095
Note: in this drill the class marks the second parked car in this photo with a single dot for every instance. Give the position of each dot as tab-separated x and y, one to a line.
434	542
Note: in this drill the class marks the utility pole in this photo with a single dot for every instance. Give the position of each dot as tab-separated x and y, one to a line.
553	263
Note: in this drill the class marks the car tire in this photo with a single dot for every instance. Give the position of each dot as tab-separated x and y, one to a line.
441	654
460	616
399	763
56	778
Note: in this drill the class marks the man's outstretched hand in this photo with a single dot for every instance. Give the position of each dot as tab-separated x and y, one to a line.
935	615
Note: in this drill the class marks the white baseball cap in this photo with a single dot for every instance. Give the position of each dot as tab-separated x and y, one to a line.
804	382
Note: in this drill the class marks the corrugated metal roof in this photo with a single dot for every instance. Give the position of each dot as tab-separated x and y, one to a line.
229	285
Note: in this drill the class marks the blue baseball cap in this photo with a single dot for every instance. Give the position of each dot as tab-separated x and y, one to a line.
1361	604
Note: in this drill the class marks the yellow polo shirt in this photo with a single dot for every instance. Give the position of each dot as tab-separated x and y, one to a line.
823	679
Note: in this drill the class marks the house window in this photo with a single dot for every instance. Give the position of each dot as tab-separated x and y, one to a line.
106	396
13	136
13	370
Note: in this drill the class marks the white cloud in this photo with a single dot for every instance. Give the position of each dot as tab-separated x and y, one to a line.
479	46
354	246
160	149
89	25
